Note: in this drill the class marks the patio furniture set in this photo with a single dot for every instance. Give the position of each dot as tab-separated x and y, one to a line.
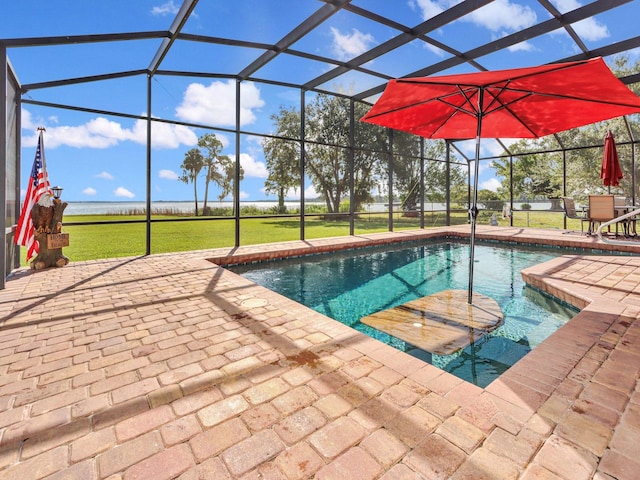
601	209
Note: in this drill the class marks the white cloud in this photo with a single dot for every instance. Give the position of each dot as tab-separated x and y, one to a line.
97	133
167	8
522	47
123	192
497	16
168	174
89	191
428	8
489	147
589	28
216	104
503	15
101	133
163	135
492	184
492	147
309	192
467	147
243	195
104	176
224	140
435	50
251	167
27	122
348	46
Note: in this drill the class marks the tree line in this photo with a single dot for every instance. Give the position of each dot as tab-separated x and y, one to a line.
328	160
387	164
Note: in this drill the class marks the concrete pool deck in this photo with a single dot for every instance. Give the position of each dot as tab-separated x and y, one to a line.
169	366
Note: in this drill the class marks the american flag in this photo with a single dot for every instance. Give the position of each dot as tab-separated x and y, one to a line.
38	185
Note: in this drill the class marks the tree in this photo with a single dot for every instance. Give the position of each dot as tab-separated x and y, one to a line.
191	167
327	158
406	169
220	168
283	156
435	176
537	175
228	177
328	161
489	199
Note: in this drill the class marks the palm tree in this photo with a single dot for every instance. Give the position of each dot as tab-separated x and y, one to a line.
191	167
212	161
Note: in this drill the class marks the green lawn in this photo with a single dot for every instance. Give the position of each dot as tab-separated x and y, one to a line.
111	240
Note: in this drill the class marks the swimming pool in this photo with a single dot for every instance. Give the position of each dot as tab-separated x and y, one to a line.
347	286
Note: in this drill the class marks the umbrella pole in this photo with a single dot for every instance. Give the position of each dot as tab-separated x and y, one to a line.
473	211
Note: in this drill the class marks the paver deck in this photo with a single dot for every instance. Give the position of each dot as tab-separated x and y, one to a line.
169	366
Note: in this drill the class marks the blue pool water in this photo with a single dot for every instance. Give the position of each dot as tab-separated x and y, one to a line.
349	285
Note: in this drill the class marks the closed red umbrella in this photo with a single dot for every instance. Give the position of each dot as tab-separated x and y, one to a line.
517	103
610	171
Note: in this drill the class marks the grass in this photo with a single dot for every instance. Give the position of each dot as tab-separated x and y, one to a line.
114	240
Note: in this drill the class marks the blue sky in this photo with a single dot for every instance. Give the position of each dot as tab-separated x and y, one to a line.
98	157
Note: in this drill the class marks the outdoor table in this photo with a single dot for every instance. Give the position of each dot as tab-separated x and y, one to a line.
630	223
441	323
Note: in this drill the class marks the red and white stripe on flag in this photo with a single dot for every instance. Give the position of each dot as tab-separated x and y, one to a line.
38	185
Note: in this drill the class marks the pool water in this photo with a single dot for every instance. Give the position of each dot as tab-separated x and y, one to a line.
347	286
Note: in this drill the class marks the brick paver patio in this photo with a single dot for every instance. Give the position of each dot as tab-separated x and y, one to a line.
169	366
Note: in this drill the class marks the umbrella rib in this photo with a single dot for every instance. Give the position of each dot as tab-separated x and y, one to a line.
398	109
457	108
501	105
424	102
473	111
569	97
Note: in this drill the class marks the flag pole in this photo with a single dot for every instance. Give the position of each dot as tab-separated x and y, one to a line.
38	186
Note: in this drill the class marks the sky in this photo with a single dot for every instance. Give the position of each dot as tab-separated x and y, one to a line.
100	157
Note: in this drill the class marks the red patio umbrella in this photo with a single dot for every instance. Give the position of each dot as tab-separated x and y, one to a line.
517	103
610	171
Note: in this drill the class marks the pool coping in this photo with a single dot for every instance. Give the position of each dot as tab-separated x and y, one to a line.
512	235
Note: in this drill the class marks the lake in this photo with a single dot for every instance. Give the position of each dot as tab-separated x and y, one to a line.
115	208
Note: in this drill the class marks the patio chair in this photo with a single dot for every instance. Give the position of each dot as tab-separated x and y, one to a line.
569	206
620	208
601	209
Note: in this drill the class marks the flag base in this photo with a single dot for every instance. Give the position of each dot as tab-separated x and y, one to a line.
50	257
48	234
